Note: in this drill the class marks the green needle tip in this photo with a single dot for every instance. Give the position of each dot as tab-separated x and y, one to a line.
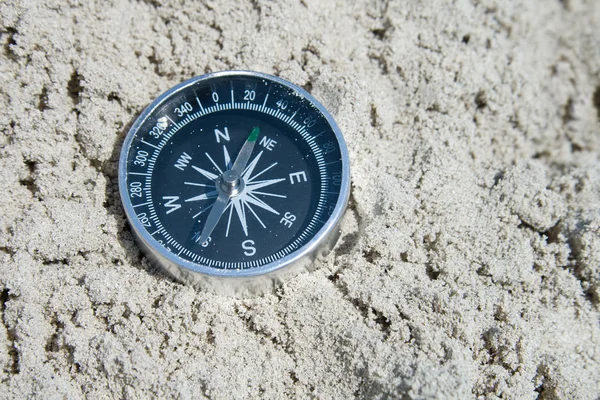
254	134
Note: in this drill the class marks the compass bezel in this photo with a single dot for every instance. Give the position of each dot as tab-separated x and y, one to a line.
195	272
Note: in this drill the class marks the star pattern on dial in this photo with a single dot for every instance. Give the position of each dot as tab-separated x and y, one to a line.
249	201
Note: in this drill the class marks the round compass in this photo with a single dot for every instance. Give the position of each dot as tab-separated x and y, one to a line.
234	175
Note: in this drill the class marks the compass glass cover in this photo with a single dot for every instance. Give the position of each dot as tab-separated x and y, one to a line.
180	147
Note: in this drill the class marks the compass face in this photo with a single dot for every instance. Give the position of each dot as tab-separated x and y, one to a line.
234	174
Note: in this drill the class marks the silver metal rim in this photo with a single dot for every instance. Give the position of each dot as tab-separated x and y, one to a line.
306	250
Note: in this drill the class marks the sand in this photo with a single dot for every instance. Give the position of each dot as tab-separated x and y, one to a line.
469	262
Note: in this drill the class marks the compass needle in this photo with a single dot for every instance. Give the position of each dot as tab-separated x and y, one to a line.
214	216
229	185
229	148
242	159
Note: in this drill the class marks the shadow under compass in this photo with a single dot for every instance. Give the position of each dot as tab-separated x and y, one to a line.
134	255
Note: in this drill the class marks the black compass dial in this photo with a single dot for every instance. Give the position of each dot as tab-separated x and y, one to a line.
232	172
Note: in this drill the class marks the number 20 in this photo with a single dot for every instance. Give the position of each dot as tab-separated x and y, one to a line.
249	95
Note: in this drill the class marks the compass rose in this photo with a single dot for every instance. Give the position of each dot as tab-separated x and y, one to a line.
235	191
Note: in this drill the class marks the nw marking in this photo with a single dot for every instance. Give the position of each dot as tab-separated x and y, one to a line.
183	161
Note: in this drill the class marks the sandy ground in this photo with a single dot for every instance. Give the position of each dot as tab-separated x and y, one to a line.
469	263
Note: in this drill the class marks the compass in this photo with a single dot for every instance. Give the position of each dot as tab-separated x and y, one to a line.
234	176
